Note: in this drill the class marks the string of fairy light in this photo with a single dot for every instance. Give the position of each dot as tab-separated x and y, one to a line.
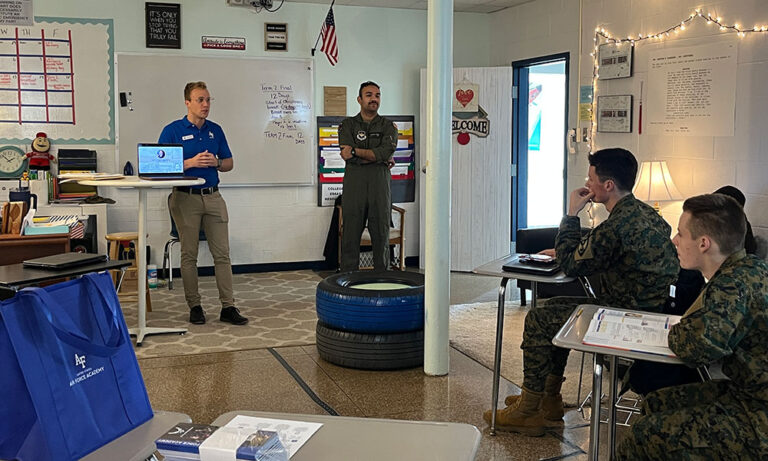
602	37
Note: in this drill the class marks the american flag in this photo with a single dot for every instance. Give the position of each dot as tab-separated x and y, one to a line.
328	32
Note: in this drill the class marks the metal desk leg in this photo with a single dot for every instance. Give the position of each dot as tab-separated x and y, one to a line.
612	405
497	356
594	425
590	292
534	294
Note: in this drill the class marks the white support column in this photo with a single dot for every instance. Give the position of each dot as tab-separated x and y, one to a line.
437	250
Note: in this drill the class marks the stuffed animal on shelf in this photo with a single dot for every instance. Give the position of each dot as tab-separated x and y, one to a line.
40	158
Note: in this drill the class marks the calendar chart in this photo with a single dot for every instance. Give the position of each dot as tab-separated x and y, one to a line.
57	76
36	77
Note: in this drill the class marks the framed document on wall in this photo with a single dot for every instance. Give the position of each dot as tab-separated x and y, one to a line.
614	114
615	60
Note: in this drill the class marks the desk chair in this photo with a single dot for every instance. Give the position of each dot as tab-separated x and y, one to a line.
396	238
167	270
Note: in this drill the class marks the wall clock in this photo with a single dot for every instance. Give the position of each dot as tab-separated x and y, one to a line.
13	162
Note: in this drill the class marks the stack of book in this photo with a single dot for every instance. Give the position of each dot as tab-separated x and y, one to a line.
185	441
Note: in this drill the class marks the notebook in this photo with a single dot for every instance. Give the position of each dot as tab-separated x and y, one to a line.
519	264
64	261
161	161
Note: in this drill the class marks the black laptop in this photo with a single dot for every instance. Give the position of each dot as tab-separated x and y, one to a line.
531	264
64	261
161	161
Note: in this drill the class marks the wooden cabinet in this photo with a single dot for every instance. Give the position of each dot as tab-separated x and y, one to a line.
17	248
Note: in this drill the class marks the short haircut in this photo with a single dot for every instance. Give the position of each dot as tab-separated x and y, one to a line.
193	86
616	164
363	85
719	217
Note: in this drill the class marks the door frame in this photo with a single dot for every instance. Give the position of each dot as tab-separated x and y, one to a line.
520	125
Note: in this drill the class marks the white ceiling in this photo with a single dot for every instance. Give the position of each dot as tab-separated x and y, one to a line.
466	6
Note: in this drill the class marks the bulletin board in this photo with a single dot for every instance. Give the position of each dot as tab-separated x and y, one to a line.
56	76
264	106
330	166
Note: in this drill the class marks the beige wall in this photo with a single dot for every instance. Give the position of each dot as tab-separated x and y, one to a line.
698	164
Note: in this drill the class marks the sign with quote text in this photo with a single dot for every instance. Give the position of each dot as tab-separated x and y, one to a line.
275	37
16	12
163	23
692	90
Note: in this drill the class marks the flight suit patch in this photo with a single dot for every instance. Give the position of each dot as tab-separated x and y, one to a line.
361	136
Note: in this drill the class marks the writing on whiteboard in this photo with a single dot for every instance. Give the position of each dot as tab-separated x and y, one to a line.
288	113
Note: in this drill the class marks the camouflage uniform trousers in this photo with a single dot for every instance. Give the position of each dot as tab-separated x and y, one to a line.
692	422
540	356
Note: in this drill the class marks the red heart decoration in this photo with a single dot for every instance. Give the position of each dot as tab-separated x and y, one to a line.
465	97
463	138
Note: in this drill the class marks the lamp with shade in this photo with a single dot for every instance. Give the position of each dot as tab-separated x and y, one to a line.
654	184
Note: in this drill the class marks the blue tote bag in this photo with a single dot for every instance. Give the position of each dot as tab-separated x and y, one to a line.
69	378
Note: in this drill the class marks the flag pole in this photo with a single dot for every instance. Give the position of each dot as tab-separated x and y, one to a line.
321	29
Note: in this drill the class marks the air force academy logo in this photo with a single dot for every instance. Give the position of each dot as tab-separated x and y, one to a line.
80	361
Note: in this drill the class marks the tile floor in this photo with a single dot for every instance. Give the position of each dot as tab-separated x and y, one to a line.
207	385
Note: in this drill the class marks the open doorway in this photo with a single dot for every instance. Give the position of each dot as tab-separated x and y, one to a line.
539	141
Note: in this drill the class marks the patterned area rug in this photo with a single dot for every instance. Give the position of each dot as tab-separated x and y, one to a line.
280	306
473	332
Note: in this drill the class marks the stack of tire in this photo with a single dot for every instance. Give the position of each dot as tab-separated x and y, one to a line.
371	320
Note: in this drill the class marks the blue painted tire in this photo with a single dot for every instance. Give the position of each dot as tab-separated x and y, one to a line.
343	307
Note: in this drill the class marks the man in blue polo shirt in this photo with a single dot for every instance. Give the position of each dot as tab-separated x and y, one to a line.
206	152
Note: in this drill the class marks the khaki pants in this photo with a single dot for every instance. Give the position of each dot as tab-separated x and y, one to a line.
191	212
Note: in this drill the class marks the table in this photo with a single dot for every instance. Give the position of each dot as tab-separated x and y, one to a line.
373	439
13	277
139	444
494	269
570	336
142	185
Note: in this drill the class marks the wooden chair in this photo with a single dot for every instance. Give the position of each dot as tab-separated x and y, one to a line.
396	237
113	247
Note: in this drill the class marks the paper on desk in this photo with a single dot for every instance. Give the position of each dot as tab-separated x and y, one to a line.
293	434
635	331
69	177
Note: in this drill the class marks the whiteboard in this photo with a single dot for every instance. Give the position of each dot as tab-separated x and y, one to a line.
263	105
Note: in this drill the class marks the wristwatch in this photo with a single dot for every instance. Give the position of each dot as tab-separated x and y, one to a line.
353	152
219	164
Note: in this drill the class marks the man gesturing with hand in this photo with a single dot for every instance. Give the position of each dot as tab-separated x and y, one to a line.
206	153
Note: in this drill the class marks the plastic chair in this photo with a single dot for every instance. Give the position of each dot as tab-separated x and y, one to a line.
167	270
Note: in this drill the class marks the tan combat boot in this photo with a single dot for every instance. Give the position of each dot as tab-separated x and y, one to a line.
523	417
552	402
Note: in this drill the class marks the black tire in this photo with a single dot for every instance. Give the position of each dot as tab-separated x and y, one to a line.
342	306
394	351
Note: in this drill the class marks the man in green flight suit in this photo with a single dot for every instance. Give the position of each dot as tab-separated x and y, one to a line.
367	142
728	322
635	260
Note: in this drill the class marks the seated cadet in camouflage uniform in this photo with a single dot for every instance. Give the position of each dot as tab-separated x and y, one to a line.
367	143
633	256
729	322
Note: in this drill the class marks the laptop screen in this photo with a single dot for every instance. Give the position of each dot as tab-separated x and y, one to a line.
161	159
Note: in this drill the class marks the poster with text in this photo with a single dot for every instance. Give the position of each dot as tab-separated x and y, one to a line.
692	90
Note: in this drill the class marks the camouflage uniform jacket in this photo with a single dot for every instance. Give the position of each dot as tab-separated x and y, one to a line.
631	251
729	321
379	135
